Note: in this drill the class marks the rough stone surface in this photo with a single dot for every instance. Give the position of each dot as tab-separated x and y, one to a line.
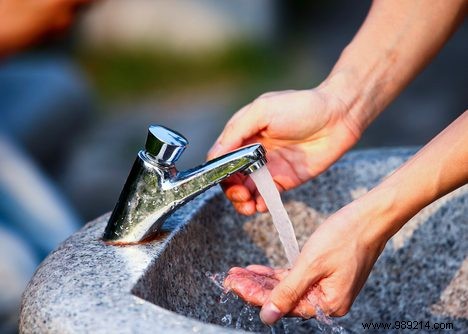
86	286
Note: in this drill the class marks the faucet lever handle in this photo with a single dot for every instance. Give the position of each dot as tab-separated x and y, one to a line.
165	145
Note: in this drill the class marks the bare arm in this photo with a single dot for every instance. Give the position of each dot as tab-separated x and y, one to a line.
437	169
396	41
335	262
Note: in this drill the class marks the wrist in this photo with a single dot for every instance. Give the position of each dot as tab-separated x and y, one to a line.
364	80
385	209
376	217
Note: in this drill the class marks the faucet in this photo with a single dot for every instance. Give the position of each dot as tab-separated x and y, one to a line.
155	188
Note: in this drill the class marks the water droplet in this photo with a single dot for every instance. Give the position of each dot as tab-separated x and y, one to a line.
223	298
227	320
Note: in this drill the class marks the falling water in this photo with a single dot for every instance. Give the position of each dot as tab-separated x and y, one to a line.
266	187
247	317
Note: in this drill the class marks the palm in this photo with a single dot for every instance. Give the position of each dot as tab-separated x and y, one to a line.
303	133
295	163
255	283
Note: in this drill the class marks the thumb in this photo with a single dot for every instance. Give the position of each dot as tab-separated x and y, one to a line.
244	124
287	294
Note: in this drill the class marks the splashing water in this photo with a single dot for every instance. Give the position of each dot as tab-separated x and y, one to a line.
243	316
266	187
246	316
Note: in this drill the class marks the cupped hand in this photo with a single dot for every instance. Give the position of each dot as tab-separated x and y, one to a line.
329	273
304	132
255	283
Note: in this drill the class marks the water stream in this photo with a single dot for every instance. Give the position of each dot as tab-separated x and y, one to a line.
267	189
248	316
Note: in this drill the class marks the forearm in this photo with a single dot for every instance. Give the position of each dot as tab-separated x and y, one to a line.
396	41
437	169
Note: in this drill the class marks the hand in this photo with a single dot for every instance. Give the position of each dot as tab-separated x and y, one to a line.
26	21
304	132
331	270
337	259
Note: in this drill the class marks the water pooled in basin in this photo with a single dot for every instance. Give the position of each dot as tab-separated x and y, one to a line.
267	189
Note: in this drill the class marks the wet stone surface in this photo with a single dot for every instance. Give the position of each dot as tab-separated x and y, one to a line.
86	286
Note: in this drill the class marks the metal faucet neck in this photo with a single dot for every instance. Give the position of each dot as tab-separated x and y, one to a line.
154	188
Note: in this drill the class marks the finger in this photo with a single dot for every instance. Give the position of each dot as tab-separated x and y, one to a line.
275	273
235	189
287	294
255	283
244	124
235	270
250	291
245	208
237	193
233	276
261	270
251	286
260	204
304	309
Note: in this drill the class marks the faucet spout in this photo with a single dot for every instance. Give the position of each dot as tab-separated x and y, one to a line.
155	188
245	160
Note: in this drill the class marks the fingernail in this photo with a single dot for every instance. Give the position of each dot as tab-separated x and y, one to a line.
270	314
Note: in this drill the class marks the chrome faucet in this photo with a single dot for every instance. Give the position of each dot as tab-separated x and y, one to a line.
155	188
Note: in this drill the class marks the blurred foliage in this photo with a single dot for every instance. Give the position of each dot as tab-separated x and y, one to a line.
136	73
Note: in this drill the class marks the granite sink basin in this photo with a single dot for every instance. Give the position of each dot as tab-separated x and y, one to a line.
162	286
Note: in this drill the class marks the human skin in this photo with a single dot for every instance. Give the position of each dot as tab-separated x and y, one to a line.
26	22
304	132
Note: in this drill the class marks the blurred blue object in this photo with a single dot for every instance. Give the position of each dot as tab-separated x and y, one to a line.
42	102
29	204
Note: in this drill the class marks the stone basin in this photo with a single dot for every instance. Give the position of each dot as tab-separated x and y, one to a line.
162	287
